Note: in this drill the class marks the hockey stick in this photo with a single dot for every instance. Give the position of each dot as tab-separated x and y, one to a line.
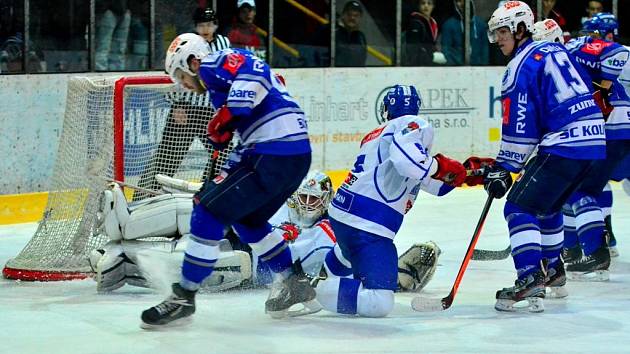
423	304
490	255
131	186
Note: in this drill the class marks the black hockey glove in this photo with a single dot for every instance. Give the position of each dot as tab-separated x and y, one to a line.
497	181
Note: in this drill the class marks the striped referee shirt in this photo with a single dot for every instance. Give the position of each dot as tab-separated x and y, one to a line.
199	100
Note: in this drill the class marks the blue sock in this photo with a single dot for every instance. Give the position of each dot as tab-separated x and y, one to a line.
589	222
570	232
268	244
605	200
552	237
525	239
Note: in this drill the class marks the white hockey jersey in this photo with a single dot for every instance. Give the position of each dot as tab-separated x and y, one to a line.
394	163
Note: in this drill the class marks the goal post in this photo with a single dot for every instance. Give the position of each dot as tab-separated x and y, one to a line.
123	128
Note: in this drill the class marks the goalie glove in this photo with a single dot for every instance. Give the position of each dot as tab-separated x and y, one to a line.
417	265
220	128
449	171
476	167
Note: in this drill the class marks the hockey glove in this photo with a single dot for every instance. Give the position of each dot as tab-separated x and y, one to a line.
497	181
601	99
476	167
449	171
220	128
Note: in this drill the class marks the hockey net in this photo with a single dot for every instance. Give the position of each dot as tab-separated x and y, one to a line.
126	129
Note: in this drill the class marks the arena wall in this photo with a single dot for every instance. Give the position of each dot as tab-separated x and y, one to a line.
341	103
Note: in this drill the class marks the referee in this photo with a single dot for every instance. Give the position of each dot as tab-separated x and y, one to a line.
187	119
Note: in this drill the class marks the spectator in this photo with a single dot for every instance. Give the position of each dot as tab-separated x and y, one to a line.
350	43
11	56
112	32
419	42
453	37
242	33
592	8
549	11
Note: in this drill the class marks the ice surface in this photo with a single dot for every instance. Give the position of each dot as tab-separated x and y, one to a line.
70	317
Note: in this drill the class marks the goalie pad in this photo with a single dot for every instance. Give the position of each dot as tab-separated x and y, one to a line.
158	264
164	215
417	265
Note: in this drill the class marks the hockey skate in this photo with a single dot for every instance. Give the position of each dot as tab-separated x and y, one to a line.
294	290
611	241
556	281
572	255
176	310
530	289
591	268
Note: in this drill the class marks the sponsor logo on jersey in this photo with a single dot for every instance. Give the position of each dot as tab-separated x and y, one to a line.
242	94
615	62
233	62
596	47
538	56
512	155
583	131
410	127
581	105
372	135
588	63
350	179
522	110
505	105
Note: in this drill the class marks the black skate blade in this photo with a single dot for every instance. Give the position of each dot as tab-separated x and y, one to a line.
180	322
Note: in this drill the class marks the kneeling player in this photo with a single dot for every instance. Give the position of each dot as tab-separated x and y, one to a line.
393	164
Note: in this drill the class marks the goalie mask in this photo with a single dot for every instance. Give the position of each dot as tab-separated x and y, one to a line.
310	202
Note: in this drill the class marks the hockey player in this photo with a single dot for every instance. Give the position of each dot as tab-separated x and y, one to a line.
303	219
187	118
547	104
604	60
549	30
393	164
267	166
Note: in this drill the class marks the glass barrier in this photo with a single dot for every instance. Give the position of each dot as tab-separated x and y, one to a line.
304	41
59	35
246	27
121	35
12	38
171	19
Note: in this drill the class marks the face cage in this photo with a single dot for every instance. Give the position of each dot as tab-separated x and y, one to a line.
306	209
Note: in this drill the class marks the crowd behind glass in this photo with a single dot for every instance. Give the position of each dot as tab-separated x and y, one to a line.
39	36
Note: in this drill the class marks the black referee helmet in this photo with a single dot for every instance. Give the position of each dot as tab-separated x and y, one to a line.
204	15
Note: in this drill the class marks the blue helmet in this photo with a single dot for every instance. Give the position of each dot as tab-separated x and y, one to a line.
400	100
602	23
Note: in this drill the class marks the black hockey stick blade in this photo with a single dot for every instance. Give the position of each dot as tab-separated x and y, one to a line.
490	255
422	304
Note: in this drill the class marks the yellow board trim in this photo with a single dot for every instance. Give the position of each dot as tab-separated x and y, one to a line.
21	208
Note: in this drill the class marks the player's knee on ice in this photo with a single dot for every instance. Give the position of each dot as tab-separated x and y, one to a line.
347	296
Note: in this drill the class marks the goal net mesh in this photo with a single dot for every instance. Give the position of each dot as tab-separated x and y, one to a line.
160	130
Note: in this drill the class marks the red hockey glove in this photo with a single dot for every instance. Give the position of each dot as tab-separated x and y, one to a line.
449	171
219	128
475	167
291	231
601	99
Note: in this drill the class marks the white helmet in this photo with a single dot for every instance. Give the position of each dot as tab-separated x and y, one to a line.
310	202
548	30
181	48
510	14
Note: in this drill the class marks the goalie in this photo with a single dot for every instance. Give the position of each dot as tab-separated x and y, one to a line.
157	228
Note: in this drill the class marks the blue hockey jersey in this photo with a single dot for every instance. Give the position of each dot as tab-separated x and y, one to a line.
393	164
547	103
269	120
